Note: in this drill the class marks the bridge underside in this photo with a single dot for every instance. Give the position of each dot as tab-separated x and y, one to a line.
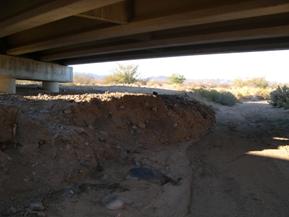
84	31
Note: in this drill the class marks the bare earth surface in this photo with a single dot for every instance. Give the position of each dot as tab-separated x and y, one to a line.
141	155
90	155
242	167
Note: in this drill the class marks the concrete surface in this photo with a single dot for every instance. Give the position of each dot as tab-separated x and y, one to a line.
12	68
7	85
50	86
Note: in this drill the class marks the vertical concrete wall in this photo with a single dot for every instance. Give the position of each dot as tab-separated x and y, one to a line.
50	86
7	85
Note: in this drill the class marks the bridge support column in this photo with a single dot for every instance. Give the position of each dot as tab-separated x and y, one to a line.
50	86
50	74
7	84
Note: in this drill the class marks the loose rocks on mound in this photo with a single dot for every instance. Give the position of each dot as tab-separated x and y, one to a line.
66	138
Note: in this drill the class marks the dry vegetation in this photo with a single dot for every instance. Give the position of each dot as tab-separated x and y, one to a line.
227	93
280	97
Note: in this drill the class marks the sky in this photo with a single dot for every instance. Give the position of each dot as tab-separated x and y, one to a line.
272	65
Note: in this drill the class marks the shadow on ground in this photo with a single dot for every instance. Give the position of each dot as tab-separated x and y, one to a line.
242	167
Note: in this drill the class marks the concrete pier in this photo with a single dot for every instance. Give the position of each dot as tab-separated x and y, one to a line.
7	85
12	68
50	86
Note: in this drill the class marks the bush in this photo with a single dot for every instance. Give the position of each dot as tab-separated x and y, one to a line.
84	78
280	97
177	79
220	97
254	82
124	74
251	93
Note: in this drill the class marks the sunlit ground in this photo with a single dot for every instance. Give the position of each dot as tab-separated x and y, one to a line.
281	152
257	102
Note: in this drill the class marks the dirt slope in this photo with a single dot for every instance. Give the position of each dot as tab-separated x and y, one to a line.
58	149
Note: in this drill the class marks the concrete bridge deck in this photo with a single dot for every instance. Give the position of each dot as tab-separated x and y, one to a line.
83	31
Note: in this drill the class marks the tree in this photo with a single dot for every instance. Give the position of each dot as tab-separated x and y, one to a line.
123	74
177	79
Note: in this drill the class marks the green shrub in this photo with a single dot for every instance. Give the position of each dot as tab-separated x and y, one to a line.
220	97
177	79
280	97
124	74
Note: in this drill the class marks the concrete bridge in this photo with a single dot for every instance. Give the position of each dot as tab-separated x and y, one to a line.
39	38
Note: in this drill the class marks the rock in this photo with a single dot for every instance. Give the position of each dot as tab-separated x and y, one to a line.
134	127
41	143
113	202
149	174
155	93
40	214
36	206
144	173
101	139
12	210
155	109
67	111
142	125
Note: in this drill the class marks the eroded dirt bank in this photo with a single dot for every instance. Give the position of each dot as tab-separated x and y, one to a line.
139	155
98	155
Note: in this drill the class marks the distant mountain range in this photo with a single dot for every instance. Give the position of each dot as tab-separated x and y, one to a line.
89	75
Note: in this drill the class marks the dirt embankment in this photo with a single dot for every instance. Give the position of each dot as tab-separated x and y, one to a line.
50	142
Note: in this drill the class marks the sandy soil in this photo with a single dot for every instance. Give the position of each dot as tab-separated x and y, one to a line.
242	167
238	168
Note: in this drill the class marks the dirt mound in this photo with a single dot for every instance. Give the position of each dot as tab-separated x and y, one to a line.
8	126
51	141
143	119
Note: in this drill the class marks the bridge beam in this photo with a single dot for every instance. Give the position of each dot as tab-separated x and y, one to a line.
49	12
223	13
12	68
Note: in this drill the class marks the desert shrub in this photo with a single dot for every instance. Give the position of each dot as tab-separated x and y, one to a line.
254	82
143	81
251	93
84	78
220	97
280	97
177	79
124	74
155	83
259	82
